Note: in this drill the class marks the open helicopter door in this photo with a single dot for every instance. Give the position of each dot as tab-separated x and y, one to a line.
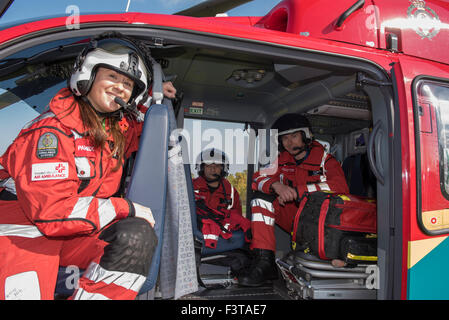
158	182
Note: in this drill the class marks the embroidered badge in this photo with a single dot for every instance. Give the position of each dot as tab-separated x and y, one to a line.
49	171
47	146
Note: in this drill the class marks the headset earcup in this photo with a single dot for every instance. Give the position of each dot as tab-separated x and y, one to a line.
83	86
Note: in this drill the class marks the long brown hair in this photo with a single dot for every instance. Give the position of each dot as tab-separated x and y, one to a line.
96	132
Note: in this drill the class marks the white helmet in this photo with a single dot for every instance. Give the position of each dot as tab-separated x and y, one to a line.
115	54
209	156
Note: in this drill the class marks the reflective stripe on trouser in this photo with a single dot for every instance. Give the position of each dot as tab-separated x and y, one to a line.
264	215
30	266
262	224
29	261
98	283
124	264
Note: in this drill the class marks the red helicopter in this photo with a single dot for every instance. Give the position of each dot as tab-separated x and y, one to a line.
372	77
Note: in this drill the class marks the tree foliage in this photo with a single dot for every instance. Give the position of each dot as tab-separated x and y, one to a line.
238	180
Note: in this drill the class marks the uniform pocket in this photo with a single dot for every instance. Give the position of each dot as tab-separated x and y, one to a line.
85	168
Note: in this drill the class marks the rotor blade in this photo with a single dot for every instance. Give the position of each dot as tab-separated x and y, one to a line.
210	8
4	5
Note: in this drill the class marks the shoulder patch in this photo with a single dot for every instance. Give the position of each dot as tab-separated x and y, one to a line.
47	146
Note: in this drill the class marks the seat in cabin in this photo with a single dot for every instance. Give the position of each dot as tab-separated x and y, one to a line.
144	177
361	180
237	241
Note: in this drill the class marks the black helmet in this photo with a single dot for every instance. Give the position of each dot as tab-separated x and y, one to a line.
293	122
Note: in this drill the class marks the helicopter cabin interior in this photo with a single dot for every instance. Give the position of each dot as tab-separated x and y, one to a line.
348	102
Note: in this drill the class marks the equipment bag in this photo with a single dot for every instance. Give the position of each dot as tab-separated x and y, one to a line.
324	219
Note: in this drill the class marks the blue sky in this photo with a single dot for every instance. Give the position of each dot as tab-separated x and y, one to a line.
26	9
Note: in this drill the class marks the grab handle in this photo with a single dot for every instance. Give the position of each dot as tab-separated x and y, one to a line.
356	6
374	145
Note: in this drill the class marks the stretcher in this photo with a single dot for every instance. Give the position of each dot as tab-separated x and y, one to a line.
308	277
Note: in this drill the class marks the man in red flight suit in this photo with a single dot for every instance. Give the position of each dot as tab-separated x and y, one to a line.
218	202
302	165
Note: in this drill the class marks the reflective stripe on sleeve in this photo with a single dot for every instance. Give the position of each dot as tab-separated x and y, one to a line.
81	208
106	211
259	217
20	231
267	205
261	183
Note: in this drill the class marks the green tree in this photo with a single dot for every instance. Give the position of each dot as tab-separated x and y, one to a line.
238	180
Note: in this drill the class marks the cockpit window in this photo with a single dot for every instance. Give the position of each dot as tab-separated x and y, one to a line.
438	95
28	81
12	119
433	108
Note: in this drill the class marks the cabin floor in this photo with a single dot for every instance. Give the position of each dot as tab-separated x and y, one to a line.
220	285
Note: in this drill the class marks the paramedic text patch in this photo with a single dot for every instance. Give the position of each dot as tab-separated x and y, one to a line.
47	146
84	148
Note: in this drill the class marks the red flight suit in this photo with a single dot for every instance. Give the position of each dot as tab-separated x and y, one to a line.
64	188
318	171
225	199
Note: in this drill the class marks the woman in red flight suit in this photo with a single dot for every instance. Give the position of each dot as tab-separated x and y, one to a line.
217	193
302	165
59	178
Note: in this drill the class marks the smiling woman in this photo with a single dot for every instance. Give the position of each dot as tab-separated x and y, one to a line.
63	171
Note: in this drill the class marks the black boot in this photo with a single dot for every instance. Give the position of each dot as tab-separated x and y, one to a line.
262	269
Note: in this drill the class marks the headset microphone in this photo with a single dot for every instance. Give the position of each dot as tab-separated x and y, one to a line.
126	106
120	101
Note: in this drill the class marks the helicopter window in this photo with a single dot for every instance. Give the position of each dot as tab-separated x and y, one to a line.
433	99
231	137
29	79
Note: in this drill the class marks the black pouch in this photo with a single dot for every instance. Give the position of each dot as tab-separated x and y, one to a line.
356	249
